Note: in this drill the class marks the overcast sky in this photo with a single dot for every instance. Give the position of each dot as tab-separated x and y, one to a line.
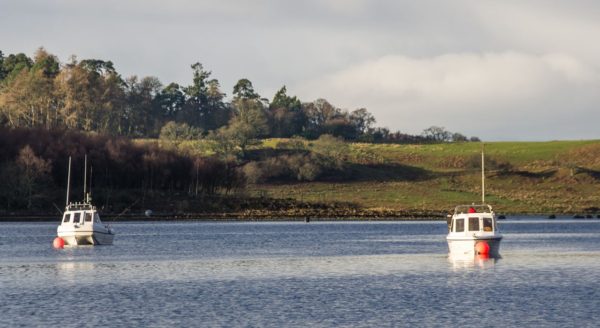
500	70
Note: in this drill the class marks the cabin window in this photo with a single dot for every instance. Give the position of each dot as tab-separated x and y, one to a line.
460	225
67	217
473	224
487	224
77	218
88	217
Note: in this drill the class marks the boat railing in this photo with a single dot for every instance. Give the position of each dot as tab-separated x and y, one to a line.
80	207
481	208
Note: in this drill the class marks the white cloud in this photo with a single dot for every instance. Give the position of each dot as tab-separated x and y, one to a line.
521	66
345	6
543	26
501	91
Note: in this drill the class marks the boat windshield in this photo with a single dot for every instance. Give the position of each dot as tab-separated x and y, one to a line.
473	224
488	225
88	217
67	217
460	225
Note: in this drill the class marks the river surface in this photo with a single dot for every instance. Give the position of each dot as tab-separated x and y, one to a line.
292	274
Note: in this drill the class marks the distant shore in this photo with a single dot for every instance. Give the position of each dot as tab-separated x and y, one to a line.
370	215
244	216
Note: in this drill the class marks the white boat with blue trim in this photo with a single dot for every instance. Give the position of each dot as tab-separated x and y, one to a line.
472	229
80	224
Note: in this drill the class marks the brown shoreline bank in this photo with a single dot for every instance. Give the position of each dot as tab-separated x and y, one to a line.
250	215
266	216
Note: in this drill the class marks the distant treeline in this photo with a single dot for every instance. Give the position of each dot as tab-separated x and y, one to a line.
90	95
33	168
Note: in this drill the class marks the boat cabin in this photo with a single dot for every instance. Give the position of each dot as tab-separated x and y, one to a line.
80	214
472	219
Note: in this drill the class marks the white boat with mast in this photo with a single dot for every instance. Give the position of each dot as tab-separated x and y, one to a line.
472	229
81	223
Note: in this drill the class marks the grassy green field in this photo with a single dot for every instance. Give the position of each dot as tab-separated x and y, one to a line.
521	177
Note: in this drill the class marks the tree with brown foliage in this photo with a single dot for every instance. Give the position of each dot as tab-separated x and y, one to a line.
32	169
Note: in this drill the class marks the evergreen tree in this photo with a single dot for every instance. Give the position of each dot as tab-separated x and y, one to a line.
286	115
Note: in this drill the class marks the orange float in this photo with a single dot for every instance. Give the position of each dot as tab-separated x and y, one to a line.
482	248
58	243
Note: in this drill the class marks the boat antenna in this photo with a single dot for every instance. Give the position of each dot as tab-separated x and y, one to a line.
91	172
84	176
68	181
482	174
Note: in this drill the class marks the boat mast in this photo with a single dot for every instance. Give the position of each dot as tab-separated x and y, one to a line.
84	177
68	181
482	175
90	193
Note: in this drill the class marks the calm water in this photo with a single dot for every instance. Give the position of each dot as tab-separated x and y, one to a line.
321	274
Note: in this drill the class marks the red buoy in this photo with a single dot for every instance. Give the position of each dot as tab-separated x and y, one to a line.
58	243
472	210
482	248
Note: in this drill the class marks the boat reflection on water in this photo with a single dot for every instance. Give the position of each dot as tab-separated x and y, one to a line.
78	267
75	271
470	260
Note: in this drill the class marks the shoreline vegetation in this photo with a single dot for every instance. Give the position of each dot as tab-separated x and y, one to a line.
283	210
176	180
192	152
248	216
275	216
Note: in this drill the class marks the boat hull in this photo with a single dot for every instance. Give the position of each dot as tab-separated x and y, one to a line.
76	238
466	246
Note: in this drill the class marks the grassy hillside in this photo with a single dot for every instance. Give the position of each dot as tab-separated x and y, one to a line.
522	177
